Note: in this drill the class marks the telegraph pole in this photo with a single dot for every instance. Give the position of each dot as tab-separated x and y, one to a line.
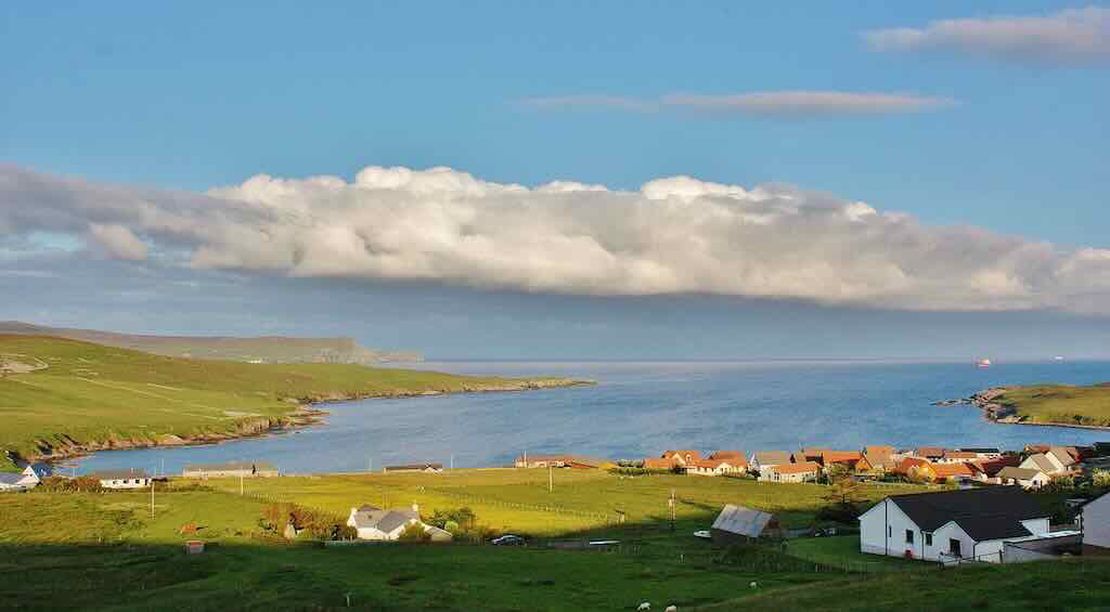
151	498
240	484
550	478
670	502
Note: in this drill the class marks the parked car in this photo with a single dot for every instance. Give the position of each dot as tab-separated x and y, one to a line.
508	540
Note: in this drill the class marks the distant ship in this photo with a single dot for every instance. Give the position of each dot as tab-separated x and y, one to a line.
983	363
1058	358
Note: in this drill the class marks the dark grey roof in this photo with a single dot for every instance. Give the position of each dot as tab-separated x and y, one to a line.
984	449
10	478
987	513
1019	473
395	518
741	520
383	520
119	474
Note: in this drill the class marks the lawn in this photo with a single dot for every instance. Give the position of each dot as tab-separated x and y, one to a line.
1072	405
89	394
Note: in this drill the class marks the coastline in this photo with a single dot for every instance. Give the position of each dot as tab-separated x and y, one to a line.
1001	413
306	414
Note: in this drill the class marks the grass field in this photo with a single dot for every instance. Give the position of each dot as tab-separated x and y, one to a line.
82	394
104	550
1065	404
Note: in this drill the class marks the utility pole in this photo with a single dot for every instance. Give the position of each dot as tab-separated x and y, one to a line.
670	502
151	498
452	461
550	478
240	484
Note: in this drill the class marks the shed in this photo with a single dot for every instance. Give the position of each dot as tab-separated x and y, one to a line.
736	524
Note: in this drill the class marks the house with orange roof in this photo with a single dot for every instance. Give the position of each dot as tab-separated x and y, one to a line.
809	454
953	456
806	471
736	458
876	459
906	466
848	459
941	472
682	457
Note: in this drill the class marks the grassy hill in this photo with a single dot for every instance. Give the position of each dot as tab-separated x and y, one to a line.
269	349
59	396
1064	404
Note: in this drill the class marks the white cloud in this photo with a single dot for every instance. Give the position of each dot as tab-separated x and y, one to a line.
673	235
1068	36
789	103
118	241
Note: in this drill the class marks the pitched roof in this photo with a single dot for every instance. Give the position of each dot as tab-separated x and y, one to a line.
10	478
383	520
396	518
834	456
903	466
682	453
987	513
980	449
742	520
797	468
929	451
772	457
991	467
737	458
710	463
1018	473
1042	462
950	454
878	449
1067	455
655	463
950	470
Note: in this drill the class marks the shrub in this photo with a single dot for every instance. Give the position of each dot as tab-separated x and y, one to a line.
414	532
317	524
62	484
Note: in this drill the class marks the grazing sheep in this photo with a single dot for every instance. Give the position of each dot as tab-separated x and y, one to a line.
644	607
671	608
753	585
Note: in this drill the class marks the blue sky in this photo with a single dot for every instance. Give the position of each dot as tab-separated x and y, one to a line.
194	95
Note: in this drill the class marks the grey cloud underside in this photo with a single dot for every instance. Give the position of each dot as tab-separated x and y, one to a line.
1068	36
790	103
674	235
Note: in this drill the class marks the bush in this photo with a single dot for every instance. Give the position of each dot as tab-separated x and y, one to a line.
318	525
61	484
414	532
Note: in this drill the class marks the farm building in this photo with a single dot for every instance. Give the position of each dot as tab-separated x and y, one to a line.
123	479
737	524
806	471
952	526
231	469
430	468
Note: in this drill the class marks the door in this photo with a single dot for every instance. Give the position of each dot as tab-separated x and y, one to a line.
954	547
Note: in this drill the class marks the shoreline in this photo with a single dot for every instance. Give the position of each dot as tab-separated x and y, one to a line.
1004	414
306	414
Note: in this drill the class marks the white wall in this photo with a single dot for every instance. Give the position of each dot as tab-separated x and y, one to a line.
1096	522
883	528
125	483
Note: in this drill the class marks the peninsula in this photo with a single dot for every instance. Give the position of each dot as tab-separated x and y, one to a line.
61	397
1047	404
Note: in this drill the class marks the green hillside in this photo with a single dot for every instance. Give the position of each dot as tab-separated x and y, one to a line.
60	395
1064	404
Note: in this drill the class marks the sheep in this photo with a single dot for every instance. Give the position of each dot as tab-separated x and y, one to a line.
671	608
753	585
644	607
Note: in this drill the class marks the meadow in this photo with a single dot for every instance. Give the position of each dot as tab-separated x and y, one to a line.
1065	404
64	395
106	550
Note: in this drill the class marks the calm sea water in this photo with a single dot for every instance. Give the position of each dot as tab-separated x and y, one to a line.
640	409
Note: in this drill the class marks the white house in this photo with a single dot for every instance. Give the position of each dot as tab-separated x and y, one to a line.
805	471
29	478
711	467
1095	521
374	523
947	526
765	459
1025	478
9	481
123	479
1049	463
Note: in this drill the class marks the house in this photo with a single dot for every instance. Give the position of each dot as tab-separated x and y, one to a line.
983	452
908	465
737	524
123	479
963	524
846	459
954	456
811	453
580	462
805	471
943	472
1095	523
876	459
658	463
230	469
710	467
430	468
1045	462
1025	478
373	523
990	467
737	459
682	457
10	481
766	459
932	453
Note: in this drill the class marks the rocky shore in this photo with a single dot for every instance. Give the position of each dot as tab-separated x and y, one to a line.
305	413
995	410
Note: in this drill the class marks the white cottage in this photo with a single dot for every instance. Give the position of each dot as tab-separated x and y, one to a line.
123	479
1095	519
947	526
372	523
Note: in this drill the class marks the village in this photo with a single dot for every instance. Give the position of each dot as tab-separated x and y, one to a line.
979	505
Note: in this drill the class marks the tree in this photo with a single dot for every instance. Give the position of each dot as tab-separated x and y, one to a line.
843	498
414	532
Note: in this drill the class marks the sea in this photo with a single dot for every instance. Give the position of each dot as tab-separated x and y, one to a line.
639	409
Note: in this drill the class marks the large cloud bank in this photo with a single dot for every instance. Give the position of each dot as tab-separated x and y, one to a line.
673	235
1068	36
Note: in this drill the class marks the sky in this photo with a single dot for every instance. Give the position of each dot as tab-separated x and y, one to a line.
564	180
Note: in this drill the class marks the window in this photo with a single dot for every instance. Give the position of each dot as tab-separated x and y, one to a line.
928	539
889	531
909	536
